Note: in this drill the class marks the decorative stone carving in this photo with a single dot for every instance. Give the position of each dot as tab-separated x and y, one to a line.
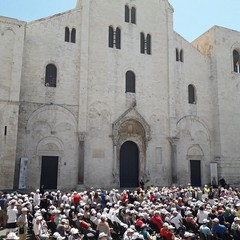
82	136
131	126
134	118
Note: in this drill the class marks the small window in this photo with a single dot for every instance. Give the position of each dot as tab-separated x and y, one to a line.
118	38
130	82
127	11
236	61
191	94
142	43
148	43
110	36
67	34
181	55
5	131
73	35
133	15
177	55
51	75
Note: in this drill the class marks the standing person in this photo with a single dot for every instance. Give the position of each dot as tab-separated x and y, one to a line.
12	213
141	183
42	191
36	198
23	224
76	199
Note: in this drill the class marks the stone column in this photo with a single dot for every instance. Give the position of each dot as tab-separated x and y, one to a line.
173	141
82	136
115	170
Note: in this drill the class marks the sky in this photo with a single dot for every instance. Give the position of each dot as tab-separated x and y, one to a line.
191	17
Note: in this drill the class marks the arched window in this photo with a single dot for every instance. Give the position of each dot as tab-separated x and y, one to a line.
127	11
148	42
133	15
67	34
110	36
118	38
51	75
181	55
177	55
130	82
191	94
236	61
73	35
142	42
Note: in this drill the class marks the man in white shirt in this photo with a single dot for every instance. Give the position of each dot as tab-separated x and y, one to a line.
202	214
36	198
12	213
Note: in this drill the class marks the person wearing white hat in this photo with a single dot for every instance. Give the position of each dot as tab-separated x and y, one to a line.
137	236
103	226
102	236
37	227
36	198
144	232
57	236
12	213
74	234
235	227
129	234
188	235
157	220
204	229
238	209
22	223
218	230
12	236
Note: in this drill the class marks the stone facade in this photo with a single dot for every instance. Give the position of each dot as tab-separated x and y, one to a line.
83	122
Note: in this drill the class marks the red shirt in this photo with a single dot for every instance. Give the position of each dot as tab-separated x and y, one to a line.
139	222
124	198
76	198
166	234
152	197
84	225
157	220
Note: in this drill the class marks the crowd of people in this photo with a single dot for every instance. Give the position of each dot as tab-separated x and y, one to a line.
173	212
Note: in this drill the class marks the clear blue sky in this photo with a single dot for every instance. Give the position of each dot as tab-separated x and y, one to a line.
191	17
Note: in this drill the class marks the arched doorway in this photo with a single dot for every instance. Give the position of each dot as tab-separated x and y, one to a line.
129	164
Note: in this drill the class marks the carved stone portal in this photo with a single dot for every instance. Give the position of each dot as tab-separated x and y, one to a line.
131	126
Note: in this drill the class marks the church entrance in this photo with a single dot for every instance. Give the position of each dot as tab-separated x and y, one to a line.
195	169
129	165
49	172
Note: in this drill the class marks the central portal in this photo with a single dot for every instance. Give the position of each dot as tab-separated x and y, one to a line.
129	165
49	172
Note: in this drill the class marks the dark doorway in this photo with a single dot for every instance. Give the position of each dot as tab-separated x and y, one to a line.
195	168
129	165
49	172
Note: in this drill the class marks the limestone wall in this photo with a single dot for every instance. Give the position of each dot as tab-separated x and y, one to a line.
11	48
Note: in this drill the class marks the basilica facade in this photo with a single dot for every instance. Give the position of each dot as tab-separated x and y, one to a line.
108	93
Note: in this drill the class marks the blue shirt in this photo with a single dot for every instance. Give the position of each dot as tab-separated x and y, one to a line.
205	230
219	230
